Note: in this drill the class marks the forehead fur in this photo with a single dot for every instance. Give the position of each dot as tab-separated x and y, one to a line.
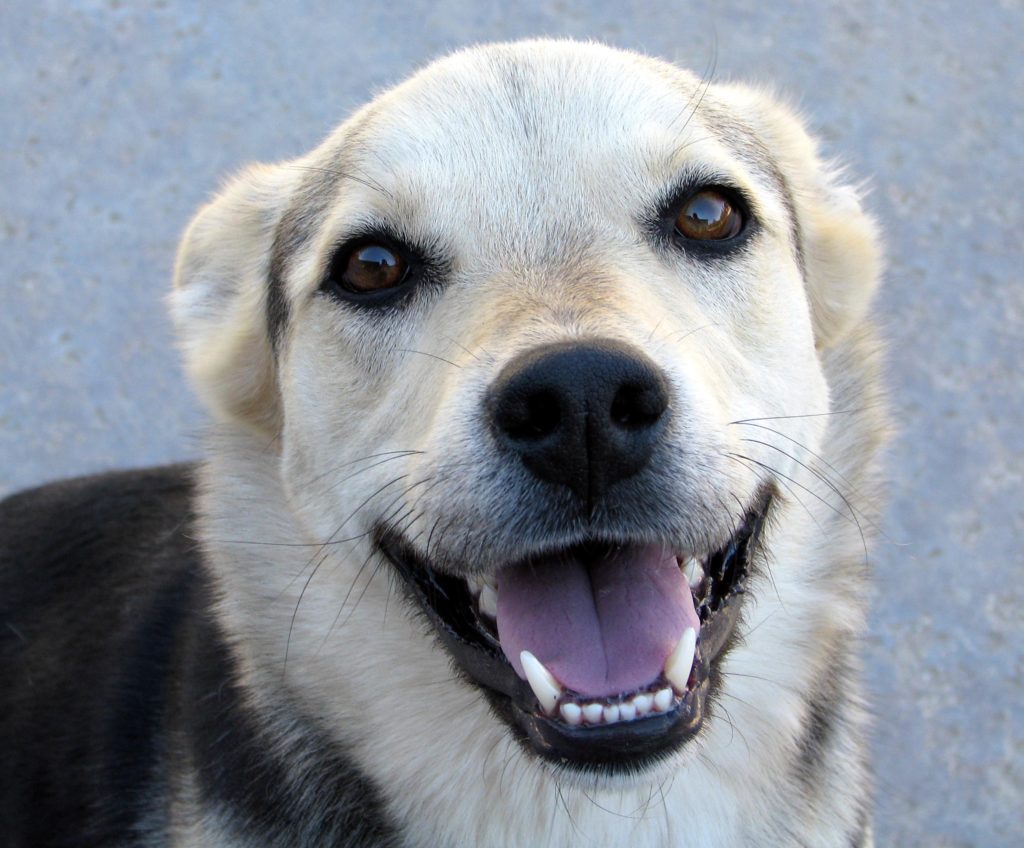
545	141
538	91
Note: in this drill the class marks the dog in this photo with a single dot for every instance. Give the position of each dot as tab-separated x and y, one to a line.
537	505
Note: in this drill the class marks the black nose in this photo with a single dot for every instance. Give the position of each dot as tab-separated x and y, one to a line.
582	415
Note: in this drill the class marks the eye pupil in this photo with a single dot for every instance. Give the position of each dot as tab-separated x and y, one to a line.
708	216
372	267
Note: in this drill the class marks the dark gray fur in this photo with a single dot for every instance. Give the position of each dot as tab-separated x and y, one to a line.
118	685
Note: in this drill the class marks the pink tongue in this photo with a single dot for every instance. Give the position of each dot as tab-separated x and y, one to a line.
600	628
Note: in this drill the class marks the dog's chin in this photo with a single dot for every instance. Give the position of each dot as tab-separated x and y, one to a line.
603	732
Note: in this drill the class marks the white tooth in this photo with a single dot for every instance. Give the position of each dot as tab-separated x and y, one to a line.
643	704
627	711
680	661
475	583
694	572
593	713
543	684
611	714
489	601
571	713
662	700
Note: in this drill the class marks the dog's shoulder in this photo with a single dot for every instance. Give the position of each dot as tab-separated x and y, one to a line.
119	687
79	535
84	557
96	575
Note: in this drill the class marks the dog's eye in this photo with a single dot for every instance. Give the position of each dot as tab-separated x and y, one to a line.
371	268
708	215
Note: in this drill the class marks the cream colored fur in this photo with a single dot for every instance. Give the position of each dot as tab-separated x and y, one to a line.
537	201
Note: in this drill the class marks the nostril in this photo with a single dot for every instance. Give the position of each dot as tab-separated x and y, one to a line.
532	417
637	407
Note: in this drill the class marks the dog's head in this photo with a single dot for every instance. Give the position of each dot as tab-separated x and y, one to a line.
509	331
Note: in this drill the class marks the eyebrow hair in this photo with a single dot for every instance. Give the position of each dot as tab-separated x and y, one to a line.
300	221
740	139
307	210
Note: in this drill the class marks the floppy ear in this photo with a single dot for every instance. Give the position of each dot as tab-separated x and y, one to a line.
841	249
218	304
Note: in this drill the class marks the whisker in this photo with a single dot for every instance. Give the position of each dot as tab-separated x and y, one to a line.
568	812
287	544
804	447
348	594
808	415
795	482
323	546
759	625
650	337
388	518
390	455
354	474
312	574
608	810
295	612
735	730
467	350
739	518
782	686
684	333
824	477
387	598
396	454
364	180
709	78
854	513
431	355
813	494
330	541
795	496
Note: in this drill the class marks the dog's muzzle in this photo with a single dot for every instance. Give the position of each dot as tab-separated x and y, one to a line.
599	654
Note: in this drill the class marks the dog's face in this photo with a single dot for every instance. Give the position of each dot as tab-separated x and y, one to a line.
510	331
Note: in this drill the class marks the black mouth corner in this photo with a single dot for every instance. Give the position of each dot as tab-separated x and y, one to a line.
468	632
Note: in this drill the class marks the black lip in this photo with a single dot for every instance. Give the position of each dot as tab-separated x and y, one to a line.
626	746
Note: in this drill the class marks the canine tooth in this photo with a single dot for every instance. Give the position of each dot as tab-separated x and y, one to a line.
694	572
662	700
593	713
627	711
489	601
643	704
571	713
541	681
611	713
680	661
475	583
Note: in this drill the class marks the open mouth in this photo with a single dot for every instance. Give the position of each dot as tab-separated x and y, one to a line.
600	655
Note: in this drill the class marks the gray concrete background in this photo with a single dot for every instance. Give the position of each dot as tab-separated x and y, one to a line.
119	118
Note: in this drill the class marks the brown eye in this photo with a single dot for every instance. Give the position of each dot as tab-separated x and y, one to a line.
371	268
709	216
